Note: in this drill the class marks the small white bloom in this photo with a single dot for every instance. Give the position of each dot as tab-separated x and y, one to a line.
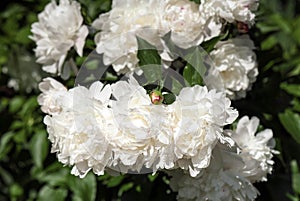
59	28
236	62
255	149
119	28
215	183
51	91
76	133
189	27
139	125
197	120
230	10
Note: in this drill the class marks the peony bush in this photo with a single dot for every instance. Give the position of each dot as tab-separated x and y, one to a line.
153	100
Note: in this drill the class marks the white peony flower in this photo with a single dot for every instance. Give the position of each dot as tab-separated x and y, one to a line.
59	28
119	28
230	10
189	27
213	186
51	91
76	132
139	123
196	122
255	149
236	62
215	183
89	130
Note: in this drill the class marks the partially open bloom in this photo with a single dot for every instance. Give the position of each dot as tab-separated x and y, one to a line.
119	28
236	62
59	28
76	133
255	149
188	26
51	91
138	122
231	10
214	183
196	120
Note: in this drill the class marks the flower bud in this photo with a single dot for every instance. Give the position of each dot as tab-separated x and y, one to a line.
242	27
156	97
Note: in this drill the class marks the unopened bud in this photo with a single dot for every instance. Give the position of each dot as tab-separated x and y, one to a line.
242	27
156	97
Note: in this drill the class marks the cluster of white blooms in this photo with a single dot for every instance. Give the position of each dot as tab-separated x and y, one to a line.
59	28
189	23
129	131
119	127
232	170
236	62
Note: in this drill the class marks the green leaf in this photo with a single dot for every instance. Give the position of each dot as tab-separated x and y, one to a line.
281	22
152	177
295	176
5	147
295	71
293	89
30	105
114	181
50	194
39	148
92	64
153	73
292	197
22	36
169	98
269	43
149	61
195	57
296	105
210	44
83	189
147	53
15	191
56	177
176	86
16	104
291	123
192	76
124	188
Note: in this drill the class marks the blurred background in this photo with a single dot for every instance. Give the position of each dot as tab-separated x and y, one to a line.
28	171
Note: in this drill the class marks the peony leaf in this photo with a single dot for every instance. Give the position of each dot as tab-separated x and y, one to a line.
291	122
39	148
15	191
5	144
83	189
196	59
176	86
293	89
295	176
124	188
192	76
169	98
50	194
152	73
147	53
